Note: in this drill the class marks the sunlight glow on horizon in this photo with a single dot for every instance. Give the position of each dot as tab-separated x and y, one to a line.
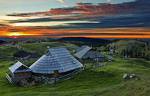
15	34
91	33
19	34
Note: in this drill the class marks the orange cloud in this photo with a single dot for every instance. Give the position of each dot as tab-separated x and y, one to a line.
9	31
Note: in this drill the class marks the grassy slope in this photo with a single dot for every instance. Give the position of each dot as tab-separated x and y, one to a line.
104	81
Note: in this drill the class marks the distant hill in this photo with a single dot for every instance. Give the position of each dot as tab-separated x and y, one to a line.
88	41
144	40
133	48
2	42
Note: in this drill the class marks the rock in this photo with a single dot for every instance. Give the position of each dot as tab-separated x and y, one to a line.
132	76
129	76
126	76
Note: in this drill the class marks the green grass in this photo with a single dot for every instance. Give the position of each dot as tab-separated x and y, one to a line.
39	48
102	81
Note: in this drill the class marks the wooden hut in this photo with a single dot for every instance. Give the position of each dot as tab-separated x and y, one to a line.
81	51
56	61
56	64
18	72
86	52
94	55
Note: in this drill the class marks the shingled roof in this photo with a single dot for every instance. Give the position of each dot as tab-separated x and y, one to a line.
58	59
18	67
82	51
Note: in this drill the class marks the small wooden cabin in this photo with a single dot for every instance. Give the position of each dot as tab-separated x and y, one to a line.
86	52
56	62
18	72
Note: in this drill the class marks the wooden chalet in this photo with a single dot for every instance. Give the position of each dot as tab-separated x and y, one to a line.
18	72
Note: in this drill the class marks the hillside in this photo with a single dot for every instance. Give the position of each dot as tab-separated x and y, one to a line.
86	41
2	42
100	81
132	48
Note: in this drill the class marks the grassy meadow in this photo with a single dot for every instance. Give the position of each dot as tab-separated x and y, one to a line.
101	81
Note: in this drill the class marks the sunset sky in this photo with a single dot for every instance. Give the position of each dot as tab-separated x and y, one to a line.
131	20
9	6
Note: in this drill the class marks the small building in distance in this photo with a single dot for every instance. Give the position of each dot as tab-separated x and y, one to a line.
56	61
82	51
86	52
18	72
94	55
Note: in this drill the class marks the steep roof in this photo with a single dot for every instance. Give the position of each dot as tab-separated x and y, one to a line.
82	51
93	55
16	67
56	59
80	48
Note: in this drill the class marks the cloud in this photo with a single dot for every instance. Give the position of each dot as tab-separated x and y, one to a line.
109	1
61	1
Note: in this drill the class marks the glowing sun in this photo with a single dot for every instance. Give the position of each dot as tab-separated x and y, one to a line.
15	34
